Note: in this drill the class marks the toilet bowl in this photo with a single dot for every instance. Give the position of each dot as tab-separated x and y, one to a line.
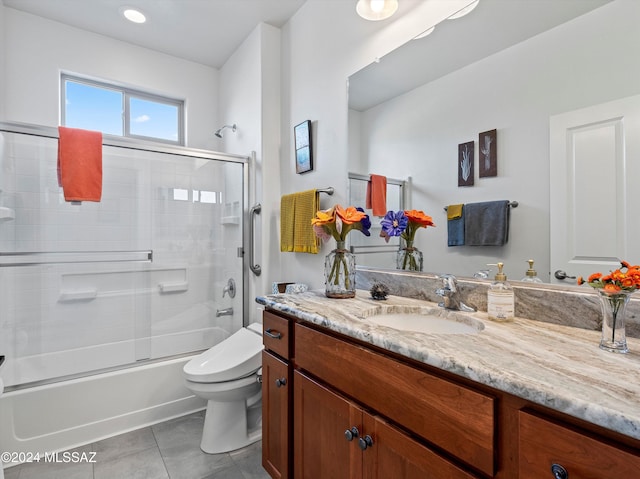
227	377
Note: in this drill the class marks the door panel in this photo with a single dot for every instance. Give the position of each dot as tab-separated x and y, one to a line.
594	173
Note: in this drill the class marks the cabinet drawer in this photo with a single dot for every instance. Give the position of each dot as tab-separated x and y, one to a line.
543	443
453	417
276	334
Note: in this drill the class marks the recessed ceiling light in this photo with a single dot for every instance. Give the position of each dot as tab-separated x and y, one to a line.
133	15
464	11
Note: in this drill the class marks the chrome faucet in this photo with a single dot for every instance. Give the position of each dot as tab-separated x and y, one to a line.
224	312
451	294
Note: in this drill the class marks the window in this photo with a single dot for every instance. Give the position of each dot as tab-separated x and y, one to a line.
115	110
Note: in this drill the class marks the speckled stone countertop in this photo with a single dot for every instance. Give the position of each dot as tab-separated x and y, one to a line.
560	367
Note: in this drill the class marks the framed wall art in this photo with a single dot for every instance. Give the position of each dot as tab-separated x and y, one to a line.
304	150
465	163
488	154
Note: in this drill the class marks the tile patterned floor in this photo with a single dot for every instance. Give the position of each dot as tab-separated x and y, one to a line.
169	450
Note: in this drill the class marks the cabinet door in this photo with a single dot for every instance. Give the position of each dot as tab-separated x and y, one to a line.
395	455
276	387
320	447
545	444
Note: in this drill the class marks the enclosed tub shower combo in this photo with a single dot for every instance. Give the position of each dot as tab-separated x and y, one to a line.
102	304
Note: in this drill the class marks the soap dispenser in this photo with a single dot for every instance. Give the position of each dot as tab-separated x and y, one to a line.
531	276
500	298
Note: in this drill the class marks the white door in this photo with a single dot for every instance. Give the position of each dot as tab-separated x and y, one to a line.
595	188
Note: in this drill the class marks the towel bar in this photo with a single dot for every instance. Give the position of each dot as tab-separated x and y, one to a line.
328	190
513	204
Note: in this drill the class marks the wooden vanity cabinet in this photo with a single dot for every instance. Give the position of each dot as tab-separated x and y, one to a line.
276	396
337	438
351	410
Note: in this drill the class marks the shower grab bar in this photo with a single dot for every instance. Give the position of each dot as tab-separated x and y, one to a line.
179	287
80	295
35	258
256	268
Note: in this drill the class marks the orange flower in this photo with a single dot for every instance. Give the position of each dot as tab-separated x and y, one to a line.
324	217
349	215
419	218
625	278
611	288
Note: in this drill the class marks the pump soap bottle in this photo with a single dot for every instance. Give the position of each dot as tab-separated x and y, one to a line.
531	276
500	298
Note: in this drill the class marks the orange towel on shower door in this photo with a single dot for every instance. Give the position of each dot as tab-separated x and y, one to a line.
376	197
80	164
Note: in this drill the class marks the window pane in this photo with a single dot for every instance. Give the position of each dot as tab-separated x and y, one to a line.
153	119
93	108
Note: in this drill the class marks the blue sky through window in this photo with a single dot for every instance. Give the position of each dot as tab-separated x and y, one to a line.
101	108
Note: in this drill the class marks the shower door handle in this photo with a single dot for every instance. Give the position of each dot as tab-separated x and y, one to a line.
256	268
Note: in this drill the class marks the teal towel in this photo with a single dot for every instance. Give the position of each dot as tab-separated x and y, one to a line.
455	231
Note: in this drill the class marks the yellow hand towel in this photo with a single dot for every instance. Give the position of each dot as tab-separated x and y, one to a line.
296	231
454	212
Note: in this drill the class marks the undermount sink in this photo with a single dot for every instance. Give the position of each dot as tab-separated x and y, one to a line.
428	320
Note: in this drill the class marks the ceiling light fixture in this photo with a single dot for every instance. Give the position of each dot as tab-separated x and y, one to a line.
133	15
461	13
427	32
375	10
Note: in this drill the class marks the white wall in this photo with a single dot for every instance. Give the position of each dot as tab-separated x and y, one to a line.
250	97
2	62
323	44
583	62
37	50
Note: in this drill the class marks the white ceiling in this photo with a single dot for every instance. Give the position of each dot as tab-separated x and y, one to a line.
491	27
203	31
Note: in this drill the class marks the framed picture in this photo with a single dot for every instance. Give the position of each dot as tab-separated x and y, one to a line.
465	164
304	150
488	155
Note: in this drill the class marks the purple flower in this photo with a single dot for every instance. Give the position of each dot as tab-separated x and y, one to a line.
394	223
365	223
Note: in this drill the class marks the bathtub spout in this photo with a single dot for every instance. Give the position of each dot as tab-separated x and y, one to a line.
224	312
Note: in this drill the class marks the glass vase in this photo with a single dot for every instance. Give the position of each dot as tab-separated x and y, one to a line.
409	258
340	273
614	306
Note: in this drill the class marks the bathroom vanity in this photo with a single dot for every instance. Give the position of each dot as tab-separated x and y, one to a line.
344	397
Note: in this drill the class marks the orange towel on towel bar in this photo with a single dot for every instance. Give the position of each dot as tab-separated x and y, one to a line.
80	164
376	198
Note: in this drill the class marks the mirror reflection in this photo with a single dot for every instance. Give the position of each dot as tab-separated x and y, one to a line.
513	66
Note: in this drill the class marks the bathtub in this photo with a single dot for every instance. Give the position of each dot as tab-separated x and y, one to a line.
58	416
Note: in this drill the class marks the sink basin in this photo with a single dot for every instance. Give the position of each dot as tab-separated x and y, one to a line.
424	320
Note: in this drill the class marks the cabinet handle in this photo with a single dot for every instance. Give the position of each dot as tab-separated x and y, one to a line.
559	472
352	433
365	442
275	335
281	382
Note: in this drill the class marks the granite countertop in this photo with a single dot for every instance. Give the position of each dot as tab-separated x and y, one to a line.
560	367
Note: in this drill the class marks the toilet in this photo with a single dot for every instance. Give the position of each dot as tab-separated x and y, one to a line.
227	377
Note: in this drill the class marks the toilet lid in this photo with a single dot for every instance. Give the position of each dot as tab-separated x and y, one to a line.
236	357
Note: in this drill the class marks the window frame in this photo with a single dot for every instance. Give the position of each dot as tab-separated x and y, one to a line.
127	95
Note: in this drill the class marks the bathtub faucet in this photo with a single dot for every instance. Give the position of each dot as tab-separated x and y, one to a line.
224	312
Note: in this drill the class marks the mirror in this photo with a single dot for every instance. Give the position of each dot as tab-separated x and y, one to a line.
510	65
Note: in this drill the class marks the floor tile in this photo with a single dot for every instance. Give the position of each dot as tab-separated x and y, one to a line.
145	464
56	470
123	444
249	460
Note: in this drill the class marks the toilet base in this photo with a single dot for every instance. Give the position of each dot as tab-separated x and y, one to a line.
230	425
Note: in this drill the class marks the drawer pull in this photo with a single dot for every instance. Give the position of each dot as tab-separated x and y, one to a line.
275	335
559	472
281	382
352	433
365	442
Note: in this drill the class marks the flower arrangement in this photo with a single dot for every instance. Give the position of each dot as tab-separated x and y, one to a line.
625	278
615	289
337	223
405	224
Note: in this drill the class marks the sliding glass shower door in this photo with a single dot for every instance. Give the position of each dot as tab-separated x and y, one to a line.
138	276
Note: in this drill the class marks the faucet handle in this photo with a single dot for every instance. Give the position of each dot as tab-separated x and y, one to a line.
448	280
